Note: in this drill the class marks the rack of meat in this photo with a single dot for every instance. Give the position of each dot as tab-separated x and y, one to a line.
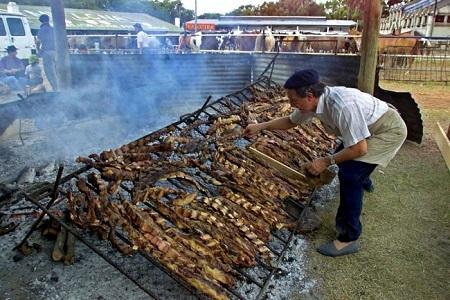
193	201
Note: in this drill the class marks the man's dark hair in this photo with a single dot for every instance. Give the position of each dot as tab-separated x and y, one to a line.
316	90
44	18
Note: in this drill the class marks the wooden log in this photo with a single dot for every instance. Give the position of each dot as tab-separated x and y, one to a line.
69	259
25	249
443	143
50	232
369	46
58	250
62	56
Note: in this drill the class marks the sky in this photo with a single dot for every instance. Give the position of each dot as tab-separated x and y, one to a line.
221	6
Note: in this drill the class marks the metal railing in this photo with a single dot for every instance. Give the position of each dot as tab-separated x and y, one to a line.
243	42
426	63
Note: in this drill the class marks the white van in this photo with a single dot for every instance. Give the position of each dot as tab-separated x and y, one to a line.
15	30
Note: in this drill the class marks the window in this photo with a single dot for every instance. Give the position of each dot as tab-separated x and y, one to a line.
2	28
15	26
439	19
448	19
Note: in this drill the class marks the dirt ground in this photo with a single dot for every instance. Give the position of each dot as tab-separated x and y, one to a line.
406	222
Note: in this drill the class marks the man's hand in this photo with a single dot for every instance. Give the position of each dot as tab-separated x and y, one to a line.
318	166
253	129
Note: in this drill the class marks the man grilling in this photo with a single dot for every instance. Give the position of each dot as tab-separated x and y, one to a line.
371	132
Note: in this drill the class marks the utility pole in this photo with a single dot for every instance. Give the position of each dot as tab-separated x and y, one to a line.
62	58
434	18
369	46
195	25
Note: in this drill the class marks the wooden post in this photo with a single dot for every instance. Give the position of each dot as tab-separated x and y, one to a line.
369	46
443	144
62	57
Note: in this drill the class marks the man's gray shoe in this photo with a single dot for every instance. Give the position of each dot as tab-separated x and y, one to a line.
329	249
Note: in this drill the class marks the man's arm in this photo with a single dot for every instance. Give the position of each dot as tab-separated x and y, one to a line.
283	123
350	153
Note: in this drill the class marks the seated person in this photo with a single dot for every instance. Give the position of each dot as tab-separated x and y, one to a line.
4	89
33	73
12	69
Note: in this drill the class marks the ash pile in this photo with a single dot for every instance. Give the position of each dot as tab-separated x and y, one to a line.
192	200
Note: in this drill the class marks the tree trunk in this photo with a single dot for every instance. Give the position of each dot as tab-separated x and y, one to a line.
369	46
62	57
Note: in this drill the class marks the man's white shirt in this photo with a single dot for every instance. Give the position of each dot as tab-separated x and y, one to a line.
142	39
345	111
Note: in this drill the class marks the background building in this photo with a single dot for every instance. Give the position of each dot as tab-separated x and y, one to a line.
418	16
277	23
86	21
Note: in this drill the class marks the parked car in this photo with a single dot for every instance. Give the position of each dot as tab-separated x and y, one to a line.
15	30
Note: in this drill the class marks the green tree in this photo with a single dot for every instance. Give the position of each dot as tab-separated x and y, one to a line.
209	16
281	8
164	9
344	9
244	10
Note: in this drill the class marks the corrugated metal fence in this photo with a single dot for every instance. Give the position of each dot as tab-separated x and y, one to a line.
184	77
192	77
333	69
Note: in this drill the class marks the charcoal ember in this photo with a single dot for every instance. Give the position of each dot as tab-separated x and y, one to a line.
308	221
47	169
37	247
54	277
26	176
18	257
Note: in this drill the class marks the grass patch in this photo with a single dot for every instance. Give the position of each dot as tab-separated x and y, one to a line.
406	228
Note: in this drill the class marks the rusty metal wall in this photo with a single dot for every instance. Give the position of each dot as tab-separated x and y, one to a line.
188	77
192	77
333	69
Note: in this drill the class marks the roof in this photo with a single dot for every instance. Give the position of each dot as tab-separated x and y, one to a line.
250	18
10	13
205	21
98	20
276	21
419	4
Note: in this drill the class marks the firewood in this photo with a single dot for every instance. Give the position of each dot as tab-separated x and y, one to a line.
69	259
58	250
25	249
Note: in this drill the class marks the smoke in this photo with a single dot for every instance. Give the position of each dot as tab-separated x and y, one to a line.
118	98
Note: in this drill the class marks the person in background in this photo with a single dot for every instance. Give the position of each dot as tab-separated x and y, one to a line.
12	69
4	89
184	43
33	73
142	38
168	44
83	49
46	47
